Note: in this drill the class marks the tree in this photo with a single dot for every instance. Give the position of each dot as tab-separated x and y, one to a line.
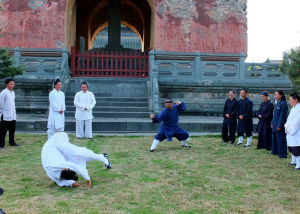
7	69
291	66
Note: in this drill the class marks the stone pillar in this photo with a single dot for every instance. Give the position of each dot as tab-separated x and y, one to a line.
243	72
197	67
114	24
17	57
82	44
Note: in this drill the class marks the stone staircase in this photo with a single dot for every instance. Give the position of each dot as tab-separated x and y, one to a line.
114	112
114	107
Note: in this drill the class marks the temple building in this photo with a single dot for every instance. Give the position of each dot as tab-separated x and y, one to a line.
133	54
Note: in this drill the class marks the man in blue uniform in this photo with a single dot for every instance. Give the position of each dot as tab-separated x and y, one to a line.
245	118
279	144
169	127
229	115
265	115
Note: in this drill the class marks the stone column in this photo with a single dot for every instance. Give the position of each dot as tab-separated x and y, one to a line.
114	24
242	71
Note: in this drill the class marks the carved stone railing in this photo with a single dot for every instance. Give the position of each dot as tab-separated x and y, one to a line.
209	74
42	63
195	69
154	99
265	72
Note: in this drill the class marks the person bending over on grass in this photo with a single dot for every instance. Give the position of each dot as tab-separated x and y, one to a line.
169	127
62	160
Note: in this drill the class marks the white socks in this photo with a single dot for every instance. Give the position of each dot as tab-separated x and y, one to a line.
293	159
184	143
103	159
297	162
154	144
240	140
249	139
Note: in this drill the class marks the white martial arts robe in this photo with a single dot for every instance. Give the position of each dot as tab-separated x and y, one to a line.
58	154
84	117
56	121
7	105
292	128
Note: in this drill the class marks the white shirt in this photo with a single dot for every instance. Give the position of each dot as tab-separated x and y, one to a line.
292	127
58	154
57	103
7	105
84	100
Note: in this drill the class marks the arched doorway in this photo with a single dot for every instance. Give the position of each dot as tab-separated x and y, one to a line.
130	39
86	18
85	21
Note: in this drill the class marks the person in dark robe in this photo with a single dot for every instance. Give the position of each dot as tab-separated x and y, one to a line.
279	144
230	118
245	118
169	127
265	115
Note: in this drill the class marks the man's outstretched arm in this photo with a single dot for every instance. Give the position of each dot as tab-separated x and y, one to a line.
158	118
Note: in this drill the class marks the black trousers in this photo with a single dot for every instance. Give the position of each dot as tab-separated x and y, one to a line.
265	141
231	124
9	126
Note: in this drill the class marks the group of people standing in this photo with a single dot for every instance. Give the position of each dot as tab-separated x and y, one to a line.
84	101
276	130
62	160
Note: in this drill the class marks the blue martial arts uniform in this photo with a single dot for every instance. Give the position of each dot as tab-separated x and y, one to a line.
246	125
169	127
264	125
279	144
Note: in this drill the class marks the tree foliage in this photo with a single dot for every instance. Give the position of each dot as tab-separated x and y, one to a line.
7	69
291	66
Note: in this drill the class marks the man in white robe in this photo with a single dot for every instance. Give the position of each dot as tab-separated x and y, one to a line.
56	119
292	129
84	102
62	160
8	113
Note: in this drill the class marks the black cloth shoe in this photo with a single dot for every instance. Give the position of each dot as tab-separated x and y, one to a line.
2	148
108	166
1	211
297	168
15	144
259	148
152	150
1	191
291	164
186	146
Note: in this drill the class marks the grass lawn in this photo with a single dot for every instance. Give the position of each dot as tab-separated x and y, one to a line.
209	178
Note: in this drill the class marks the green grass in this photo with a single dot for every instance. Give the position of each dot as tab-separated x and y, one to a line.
209	178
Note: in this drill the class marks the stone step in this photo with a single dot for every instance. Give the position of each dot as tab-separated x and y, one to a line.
108	114
194	124
111	87
113	109
113	99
